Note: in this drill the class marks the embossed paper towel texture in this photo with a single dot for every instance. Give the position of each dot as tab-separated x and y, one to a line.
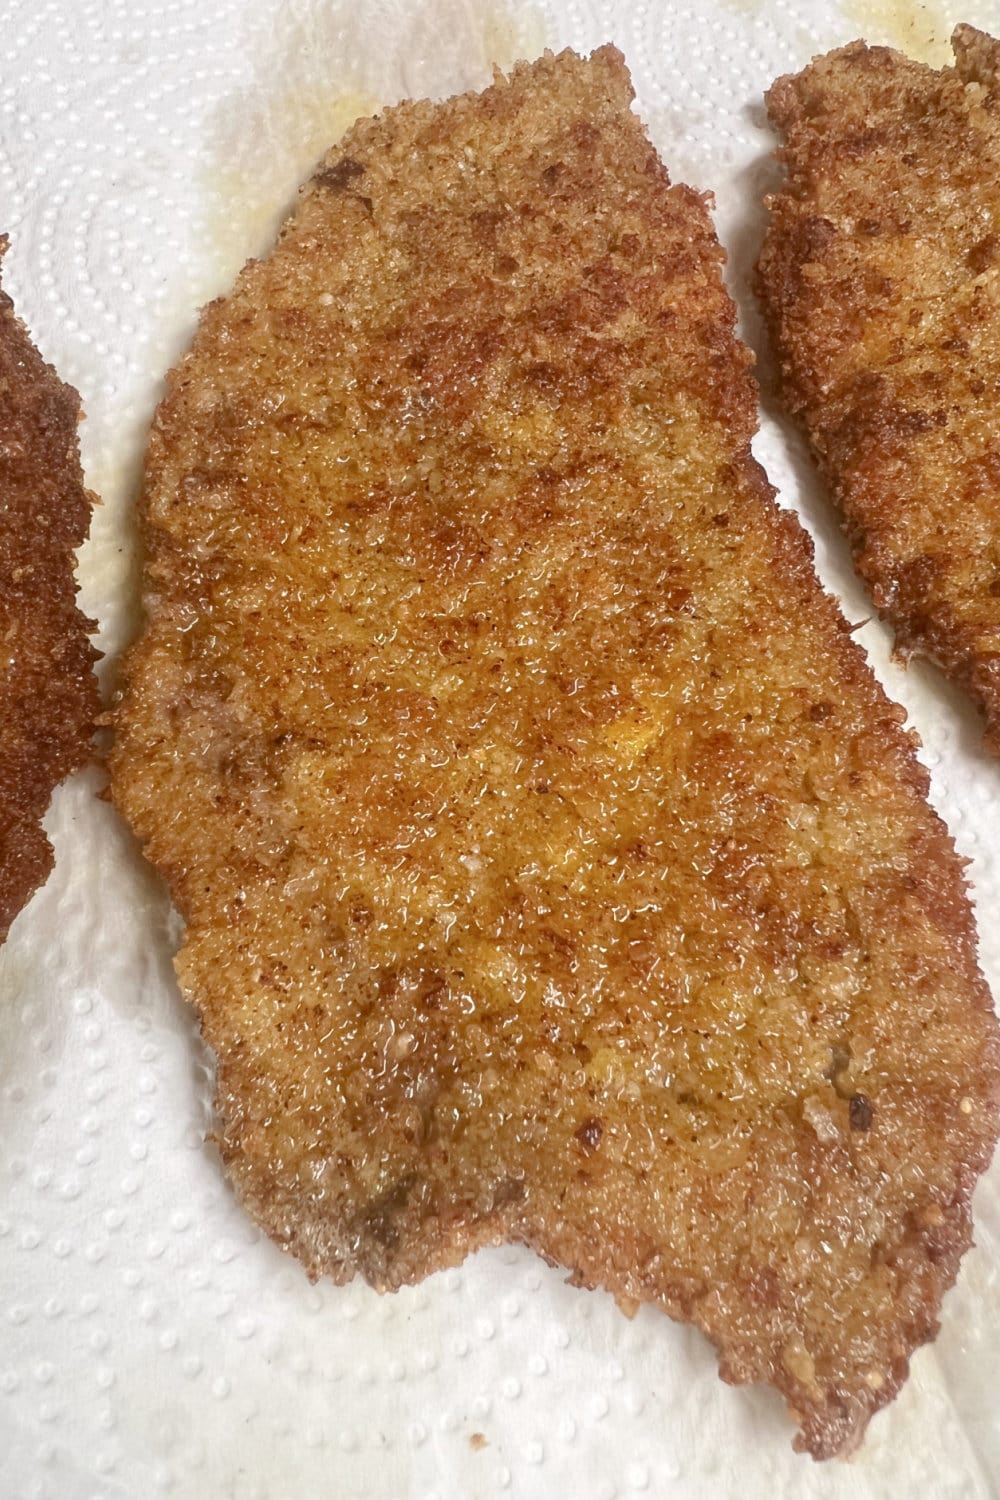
150	1341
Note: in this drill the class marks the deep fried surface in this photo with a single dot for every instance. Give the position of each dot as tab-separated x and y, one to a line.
880	279
48	696
554	868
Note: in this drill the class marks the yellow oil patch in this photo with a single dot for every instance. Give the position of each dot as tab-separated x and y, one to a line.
506	37
312	79
251	187
919	30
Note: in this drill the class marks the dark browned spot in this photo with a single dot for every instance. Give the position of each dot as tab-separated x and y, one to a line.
343	172
432	991
862	1112
812	237
509	1190
380	1222
589	1134
984	254
543	374
762	1287
485	222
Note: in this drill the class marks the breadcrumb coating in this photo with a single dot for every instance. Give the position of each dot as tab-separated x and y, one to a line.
553	867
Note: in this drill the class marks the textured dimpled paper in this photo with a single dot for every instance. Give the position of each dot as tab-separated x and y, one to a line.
151	1342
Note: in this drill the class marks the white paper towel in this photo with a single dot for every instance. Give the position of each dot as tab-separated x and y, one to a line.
150	1341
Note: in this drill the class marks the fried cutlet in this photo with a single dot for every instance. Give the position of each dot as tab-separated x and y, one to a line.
880	281
553	867
48	697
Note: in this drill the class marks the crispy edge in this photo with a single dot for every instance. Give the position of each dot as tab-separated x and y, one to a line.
52	707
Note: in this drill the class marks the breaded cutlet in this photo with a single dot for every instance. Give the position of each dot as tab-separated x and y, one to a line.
553	867
48	693
880	282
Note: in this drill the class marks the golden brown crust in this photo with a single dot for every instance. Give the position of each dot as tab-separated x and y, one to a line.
48	697
880	282
554	868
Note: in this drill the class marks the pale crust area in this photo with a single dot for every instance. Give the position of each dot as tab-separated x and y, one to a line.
880	282
554	868
48	693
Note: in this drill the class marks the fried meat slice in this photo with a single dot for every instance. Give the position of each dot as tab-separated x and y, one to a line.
48	693
553	867
880	282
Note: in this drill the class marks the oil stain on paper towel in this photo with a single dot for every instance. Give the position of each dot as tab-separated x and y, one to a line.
921	31
316	68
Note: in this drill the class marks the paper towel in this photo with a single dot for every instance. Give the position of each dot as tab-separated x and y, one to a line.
150	1341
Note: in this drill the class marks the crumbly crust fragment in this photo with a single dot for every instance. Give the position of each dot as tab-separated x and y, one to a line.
554	869
48	693
880	283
